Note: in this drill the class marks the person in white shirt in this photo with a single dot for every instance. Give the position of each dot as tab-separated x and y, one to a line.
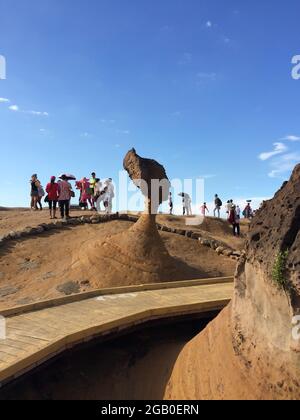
110	195
187	204
97	193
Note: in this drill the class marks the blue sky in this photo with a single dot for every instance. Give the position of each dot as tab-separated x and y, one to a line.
204	87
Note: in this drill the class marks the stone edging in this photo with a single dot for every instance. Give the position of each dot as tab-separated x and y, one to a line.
219	247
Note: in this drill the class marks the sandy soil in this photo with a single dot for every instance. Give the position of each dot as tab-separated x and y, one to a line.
134	367
42	267
218	229
16	219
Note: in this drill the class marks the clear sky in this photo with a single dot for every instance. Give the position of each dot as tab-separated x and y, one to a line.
203	86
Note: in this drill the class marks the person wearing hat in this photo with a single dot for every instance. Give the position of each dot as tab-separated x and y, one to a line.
65	193
52	198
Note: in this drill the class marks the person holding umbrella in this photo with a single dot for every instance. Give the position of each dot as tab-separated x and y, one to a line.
65	193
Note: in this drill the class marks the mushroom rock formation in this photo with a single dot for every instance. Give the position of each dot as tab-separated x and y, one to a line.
137	255
250	351
143	240
150	177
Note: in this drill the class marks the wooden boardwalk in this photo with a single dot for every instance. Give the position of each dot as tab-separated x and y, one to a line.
37	333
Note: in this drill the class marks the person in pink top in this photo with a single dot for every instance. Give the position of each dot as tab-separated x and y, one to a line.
204	209
64	197
52	191
86	196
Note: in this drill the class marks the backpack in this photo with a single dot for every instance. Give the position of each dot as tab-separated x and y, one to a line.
41	192
219	202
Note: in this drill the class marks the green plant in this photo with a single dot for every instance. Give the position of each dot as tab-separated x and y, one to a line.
279	269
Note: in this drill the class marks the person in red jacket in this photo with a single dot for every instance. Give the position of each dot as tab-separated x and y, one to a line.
52	191
234	220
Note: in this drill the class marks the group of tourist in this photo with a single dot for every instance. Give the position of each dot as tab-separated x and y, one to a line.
233	211
93	192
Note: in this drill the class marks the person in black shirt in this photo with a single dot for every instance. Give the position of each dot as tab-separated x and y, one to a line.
34	192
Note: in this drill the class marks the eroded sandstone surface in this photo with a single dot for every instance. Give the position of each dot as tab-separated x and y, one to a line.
249	351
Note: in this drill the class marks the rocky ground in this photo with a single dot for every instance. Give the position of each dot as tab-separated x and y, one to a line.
39	258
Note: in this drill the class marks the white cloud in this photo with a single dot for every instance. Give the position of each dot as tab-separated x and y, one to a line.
284	164
4	100
209	24
14	108
123	132
104	121
291	138
278	149
37	113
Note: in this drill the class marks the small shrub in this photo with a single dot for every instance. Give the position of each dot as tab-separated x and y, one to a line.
279	270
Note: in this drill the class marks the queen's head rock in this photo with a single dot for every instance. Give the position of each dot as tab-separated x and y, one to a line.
138	255
150	177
